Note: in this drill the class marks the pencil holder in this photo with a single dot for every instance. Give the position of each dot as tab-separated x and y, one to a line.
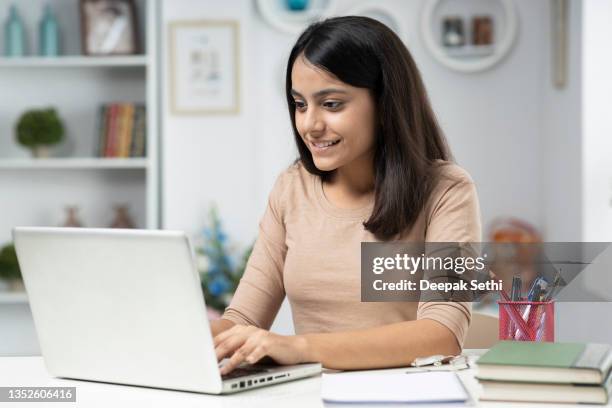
526	321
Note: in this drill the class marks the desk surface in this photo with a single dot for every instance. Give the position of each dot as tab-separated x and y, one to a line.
30	371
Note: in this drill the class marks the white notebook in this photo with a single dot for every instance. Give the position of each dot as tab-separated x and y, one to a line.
393	386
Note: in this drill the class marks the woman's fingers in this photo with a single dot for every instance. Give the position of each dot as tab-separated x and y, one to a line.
257	354
237	358
221	337
233	341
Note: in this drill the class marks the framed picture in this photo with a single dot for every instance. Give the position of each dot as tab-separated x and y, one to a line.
204	67
109	27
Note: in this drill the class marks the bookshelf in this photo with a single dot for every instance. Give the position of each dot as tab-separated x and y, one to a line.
74	163
73	61
35	191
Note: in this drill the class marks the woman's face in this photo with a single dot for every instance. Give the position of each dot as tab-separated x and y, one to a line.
335	120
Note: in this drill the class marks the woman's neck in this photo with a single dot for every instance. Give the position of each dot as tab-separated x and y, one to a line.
352	186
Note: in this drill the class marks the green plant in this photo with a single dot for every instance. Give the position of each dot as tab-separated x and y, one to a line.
9	266
220	269
39	127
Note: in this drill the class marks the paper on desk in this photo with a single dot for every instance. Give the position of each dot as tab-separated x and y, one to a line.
395	386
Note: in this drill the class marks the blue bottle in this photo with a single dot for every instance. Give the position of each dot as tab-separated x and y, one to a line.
48	34
14	35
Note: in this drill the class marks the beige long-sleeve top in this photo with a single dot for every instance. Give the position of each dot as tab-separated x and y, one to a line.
309	251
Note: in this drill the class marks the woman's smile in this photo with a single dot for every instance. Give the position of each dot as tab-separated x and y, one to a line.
323	146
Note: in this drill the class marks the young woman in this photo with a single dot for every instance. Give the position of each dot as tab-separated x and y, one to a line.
373	166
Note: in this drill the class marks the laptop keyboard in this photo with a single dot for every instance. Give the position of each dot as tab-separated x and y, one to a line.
244	371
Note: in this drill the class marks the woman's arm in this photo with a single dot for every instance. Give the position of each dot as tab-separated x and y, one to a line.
220	325
392	345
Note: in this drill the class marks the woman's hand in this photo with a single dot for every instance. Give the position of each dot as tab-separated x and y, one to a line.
251	344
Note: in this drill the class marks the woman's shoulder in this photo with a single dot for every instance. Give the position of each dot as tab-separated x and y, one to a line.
295	173
452	184
293	183
450	174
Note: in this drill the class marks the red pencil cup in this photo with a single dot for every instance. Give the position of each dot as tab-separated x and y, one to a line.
526	321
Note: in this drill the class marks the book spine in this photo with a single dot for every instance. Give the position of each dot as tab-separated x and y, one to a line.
134	135
102	129
140	132
112	131
126	134
122	122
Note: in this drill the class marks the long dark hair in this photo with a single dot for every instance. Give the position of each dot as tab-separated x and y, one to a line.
365	53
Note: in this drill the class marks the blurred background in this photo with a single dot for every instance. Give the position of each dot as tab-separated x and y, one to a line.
171	114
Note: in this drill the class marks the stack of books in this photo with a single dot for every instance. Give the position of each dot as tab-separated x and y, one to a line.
546	372
122	130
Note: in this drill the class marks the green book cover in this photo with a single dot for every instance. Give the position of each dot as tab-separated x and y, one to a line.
534	354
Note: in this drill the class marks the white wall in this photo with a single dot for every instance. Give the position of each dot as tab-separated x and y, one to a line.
597	120
494	120
590	164
561	142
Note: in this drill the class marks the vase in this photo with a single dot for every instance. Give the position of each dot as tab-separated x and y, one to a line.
14	35
72	218
40	151
48	34
122	218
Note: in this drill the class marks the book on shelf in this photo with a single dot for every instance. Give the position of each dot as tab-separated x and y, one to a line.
121	130
546	372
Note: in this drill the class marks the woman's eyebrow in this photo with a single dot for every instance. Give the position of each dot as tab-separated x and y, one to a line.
320	93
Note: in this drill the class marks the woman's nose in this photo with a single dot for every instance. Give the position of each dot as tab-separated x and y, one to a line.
313	122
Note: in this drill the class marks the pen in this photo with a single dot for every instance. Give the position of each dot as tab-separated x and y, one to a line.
516	317
515	294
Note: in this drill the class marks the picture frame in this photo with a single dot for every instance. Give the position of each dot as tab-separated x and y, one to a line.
109	27
204	67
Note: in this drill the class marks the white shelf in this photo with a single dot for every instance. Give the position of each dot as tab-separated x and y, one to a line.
13	298
74	163
74	61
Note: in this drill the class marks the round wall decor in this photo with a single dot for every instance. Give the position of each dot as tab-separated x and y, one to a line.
293	16
469	35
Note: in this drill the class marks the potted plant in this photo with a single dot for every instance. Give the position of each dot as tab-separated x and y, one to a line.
38	129
220	266
9	268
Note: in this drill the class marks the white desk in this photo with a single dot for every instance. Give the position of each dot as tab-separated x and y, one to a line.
30	371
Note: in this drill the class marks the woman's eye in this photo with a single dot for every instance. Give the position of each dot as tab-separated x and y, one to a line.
299	105
332	104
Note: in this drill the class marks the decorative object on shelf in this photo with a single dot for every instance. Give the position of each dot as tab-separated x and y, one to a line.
48	34
297	5
559	9
14	35
453	34
9	268
469	35
72	218
109	27
204	67
38	129
219	270
293	16
122	130
381	12
482	30
122	217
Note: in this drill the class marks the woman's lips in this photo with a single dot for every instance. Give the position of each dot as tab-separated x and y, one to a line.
323	146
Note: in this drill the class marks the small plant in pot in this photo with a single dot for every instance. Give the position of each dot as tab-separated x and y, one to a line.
9	268
38	129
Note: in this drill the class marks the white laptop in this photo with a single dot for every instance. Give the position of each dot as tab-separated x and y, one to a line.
126	306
